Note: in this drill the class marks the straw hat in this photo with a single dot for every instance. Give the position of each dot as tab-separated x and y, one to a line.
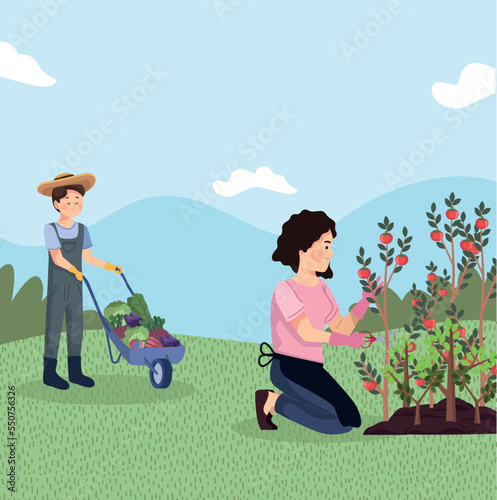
85	180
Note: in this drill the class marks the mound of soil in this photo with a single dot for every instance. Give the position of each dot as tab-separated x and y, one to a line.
433	420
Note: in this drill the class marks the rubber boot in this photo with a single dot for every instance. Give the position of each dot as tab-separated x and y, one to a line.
75	374
50	376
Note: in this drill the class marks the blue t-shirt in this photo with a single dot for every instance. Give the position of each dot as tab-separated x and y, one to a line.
52	241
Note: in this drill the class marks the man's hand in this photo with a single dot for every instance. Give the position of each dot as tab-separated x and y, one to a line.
111	267
78	274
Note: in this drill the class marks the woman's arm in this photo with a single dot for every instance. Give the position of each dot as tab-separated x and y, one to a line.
310	334
91	259
345	326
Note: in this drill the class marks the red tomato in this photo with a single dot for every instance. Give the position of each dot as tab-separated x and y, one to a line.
442	292
386	238
436	235
462	331
452	214
411	347
414	302
432	277
494	369
370	385
474	250
401	260
429	323
466	244
481	223
364	273
420	382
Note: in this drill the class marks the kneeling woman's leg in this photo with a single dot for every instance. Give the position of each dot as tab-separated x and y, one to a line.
303	407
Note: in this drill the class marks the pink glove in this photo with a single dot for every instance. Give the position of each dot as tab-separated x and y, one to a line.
355	340
359	310
339	339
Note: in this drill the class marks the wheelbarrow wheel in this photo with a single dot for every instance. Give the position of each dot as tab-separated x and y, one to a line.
164	374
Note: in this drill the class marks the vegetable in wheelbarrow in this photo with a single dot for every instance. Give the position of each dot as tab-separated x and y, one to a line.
136	333
116	307
151	342
169	341
142	327
120	332
116	323
132	319
138	306
154	325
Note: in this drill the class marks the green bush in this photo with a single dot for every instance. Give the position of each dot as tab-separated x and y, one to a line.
23	315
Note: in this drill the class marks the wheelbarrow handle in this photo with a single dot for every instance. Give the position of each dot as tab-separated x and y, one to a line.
104	321
127	284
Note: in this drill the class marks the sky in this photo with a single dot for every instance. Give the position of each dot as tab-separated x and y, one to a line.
164	98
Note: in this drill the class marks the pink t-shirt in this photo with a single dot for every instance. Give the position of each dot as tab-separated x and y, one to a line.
289	300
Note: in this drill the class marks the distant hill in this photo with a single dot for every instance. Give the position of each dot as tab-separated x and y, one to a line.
213	276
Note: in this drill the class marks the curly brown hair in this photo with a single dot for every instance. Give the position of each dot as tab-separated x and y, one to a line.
299	233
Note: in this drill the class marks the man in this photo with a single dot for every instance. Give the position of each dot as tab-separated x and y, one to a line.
67	243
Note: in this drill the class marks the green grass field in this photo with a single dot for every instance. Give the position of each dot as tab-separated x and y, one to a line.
199	438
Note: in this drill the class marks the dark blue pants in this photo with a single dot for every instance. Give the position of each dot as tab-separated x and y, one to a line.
309	403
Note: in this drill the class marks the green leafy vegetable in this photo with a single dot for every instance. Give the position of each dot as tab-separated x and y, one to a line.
117	307
136	333
138	305
154	323
116	320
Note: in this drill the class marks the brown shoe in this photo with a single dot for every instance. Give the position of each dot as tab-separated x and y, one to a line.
263	420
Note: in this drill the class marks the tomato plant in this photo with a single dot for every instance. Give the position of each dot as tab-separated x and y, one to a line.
476	360
452	230
379	298
479	240
423	368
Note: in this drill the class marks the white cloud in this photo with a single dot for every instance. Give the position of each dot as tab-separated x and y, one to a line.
22	68
241	180
476	82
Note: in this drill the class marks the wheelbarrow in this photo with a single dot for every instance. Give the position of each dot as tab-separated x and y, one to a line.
159	360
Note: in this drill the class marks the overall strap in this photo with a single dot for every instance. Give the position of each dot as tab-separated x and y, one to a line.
81	232
55	229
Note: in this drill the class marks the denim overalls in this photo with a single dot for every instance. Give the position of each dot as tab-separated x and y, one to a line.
64	295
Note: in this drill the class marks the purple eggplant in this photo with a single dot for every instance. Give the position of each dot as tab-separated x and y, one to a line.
132	319
169	341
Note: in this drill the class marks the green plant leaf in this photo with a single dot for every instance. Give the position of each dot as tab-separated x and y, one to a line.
139	306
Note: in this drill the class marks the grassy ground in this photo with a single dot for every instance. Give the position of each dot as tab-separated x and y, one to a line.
199	438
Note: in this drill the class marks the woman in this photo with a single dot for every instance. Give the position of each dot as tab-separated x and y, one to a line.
300	309
68	242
